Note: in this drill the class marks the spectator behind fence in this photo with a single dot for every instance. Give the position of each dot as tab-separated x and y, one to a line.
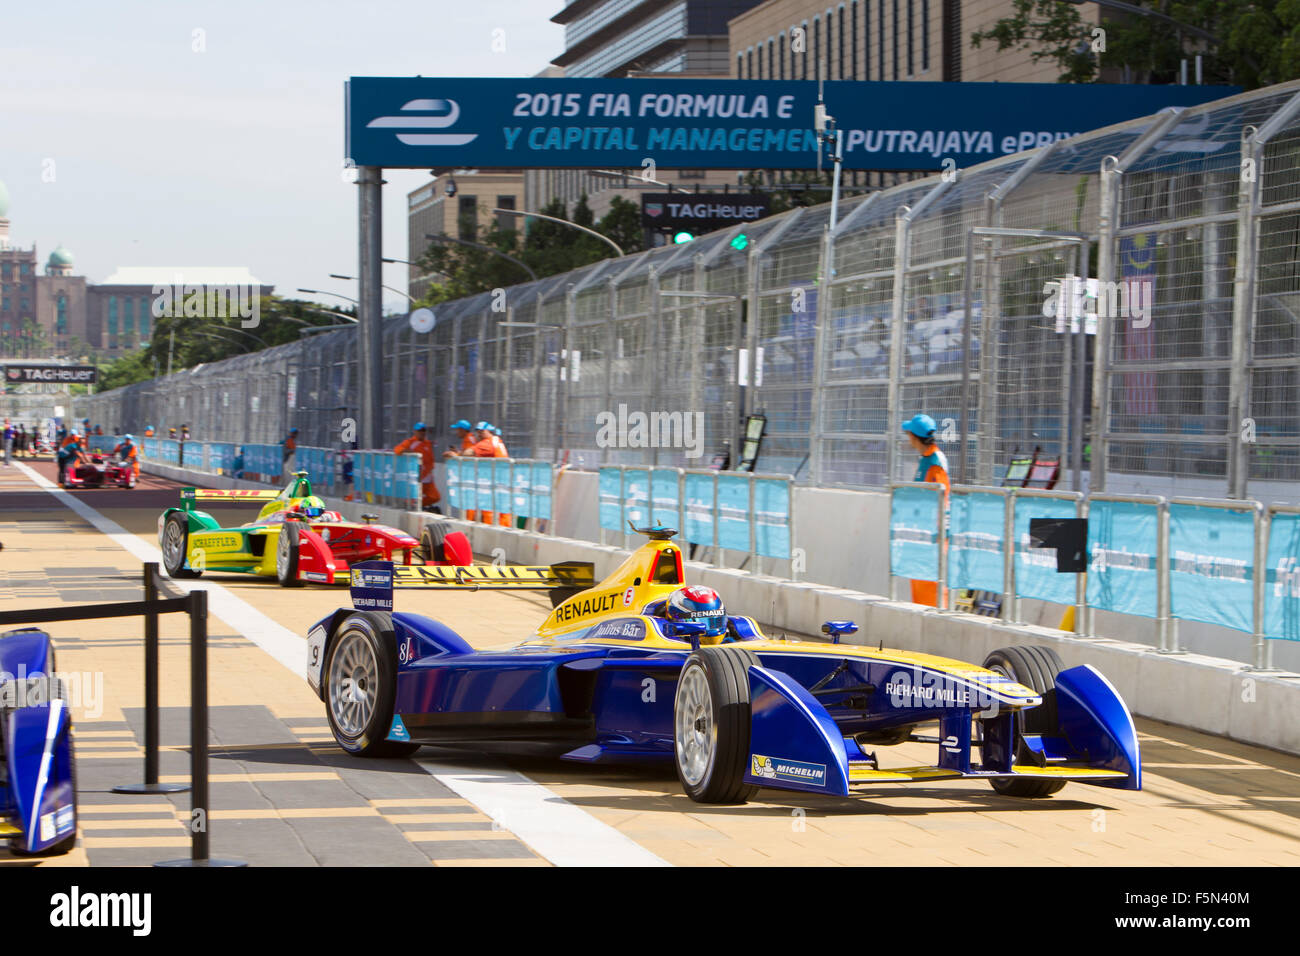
933	466
289	453
9	436
419	444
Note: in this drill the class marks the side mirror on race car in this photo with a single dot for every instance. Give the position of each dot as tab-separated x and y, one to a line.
368	518
692	630
836	628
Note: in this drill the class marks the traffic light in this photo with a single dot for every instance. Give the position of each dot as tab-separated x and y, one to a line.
681	237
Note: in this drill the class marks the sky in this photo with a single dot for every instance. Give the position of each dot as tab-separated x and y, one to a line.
201	133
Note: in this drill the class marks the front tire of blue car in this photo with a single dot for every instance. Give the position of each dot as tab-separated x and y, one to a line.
361	686
1035	668
711	724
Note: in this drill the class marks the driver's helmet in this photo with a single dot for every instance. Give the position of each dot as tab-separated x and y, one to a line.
311	507
698	604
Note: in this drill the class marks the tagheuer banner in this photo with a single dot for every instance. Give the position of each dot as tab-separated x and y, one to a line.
61	374
700	212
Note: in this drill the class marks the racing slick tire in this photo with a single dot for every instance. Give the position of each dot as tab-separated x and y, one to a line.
1036	668
286	556
361	685
711	725
431	538
176	546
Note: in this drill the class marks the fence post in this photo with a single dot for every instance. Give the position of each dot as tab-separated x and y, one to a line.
1162	579
1263	533
200	809
1009	558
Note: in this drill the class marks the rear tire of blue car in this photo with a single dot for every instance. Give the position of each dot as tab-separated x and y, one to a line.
361	686
711	724
1036	668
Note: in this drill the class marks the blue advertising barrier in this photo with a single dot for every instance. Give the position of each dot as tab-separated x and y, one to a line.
1282	585
699	500
733	512
665	497
503	486
636	497
915	515
772	514
610	499
1212	563
1123	546
977	527
1035	568
543	483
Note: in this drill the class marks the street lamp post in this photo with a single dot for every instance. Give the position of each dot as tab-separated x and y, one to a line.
564	222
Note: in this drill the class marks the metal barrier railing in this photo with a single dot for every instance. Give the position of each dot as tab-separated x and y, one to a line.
750	514
518	487
1148	556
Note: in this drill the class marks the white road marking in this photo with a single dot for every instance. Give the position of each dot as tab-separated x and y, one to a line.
564	834
277	640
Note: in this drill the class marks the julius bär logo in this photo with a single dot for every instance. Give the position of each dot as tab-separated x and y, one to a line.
421	115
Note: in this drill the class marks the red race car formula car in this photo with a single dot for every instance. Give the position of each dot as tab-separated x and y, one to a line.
98	471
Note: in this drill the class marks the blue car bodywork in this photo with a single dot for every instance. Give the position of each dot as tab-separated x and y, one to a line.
37	794
604	682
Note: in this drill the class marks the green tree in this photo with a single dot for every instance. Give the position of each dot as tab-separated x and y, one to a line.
548	248
1256	42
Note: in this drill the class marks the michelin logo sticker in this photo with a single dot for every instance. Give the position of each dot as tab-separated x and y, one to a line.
778	768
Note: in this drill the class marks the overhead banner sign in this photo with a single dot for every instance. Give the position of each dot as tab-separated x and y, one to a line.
700	213
426	122
62	374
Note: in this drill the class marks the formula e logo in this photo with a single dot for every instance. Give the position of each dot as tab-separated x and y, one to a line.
627	597
425	114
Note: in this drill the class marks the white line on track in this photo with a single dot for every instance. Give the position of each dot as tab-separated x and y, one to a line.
565	834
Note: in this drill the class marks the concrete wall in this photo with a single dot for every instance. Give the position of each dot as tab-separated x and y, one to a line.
1199	691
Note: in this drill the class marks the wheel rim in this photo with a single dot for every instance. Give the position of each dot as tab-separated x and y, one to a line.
174	545
353	684
697	735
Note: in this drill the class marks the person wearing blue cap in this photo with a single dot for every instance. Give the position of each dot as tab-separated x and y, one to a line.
420	445
933	466
460	431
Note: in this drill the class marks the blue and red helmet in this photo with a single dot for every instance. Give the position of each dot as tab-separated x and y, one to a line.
698	604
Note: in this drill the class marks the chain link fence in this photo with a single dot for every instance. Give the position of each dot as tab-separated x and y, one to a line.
934	296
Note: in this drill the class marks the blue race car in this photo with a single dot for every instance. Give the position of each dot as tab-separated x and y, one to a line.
38	810
642	668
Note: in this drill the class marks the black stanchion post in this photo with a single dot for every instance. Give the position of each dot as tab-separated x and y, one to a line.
199	724
151	733
200	812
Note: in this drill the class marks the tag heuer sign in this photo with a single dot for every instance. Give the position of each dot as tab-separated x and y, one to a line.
62	374
700	212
